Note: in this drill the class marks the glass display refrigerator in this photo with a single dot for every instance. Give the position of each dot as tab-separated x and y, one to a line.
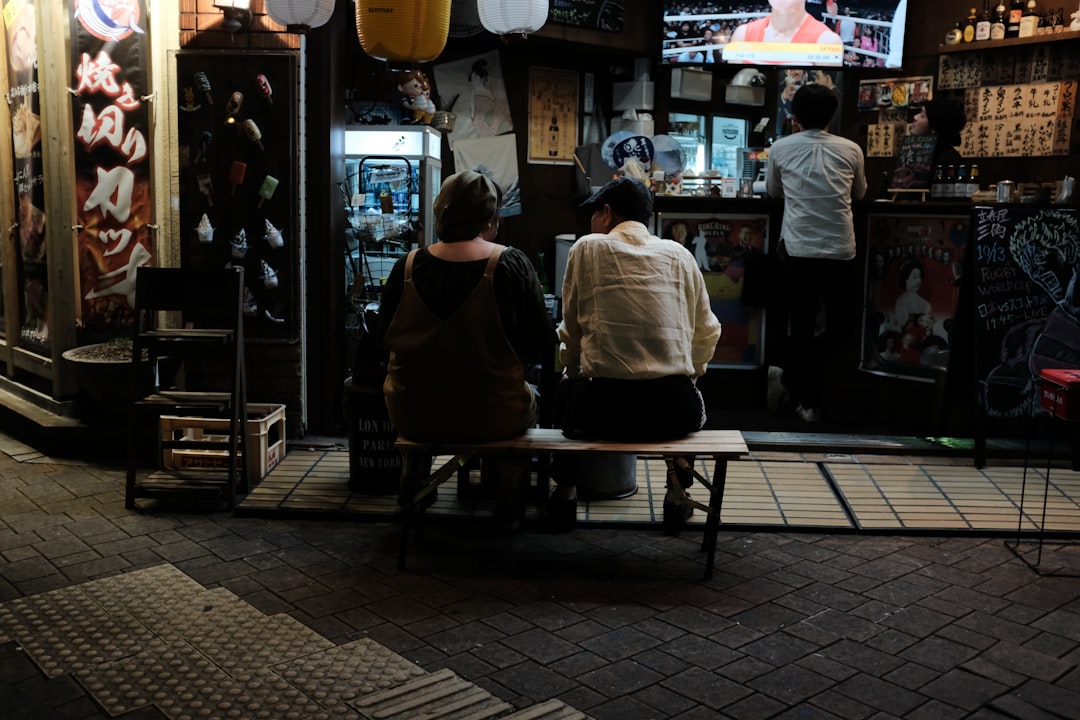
392	175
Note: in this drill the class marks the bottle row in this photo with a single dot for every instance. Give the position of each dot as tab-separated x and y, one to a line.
1019	20
951	181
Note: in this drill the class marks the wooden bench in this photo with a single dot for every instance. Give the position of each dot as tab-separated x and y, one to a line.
720	445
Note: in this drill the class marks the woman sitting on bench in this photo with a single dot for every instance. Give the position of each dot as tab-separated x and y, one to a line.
637	332
461	318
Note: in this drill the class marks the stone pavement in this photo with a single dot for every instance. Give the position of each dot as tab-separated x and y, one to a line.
615	623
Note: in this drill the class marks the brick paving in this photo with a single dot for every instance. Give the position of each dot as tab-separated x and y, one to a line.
615	623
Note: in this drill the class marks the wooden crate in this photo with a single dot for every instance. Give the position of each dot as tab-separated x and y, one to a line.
266	440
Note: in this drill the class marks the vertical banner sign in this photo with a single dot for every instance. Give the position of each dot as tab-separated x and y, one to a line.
1027	302
23	100
114	205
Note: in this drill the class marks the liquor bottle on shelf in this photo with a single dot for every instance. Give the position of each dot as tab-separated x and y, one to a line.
541	273
997	28
961	186
982	28
969	26
937	185
954	36
1016	13
950	183
973	180
1029	21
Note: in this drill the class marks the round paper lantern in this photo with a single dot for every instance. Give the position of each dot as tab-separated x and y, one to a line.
403	30
299	16
512	17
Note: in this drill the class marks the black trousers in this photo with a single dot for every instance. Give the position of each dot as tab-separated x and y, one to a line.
626	410
810	283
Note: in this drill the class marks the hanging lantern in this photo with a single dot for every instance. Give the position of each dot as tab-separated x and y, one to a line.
411	31
512	17
299	16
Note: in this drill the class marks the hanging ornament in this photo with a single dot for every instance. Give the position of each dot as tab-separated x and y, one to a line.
409	31
512	17
299	16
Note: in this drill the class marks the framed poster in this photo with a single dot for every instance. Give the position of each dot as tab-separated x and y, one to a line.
553	116
914	267
721	244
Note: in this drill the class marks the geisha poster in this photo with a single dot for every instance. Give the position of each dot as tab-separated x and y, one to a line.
720	245
914	266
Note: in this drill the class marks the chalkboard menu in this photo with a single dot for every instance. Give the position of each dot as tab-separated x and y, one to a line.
913	163
594	14
1026	301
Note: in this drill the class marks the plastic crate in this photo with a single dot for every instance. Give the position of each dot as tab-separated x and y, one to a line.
266	440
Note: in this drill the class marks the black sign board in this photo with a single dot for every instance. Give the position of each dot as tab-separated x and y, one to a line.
913	163
594	14
1026	302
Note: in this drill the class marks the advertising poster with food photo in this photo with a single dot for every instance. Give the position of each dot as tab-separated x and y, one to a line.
24	101
914	266
720	245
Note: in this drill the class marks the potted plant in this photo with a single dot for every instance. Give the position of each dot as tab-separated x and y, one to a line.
103	371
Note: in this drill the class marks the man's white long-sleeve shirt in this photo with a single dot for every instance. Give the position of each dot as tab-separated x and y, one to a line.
635	307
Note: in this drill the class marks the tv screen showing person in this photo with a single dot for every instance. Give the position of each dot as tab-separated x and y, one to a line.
861	33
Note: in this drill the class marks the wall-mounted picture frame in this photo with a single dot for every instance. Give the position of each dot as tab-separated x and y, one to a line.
721	244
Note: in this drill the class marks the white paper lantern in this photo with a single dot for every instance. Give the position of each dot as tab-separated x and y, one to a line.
299	16
512	17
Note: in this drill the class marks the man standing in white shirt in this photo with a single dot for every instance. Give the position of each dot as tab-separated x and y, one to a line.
818	174
637	332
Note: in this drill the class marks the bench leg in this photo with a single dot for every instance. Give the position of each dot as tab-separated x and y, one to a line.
712	522
414	468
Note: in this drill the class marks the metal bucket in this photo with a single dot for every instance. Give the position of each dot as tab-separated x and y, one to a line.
1008	191
606	477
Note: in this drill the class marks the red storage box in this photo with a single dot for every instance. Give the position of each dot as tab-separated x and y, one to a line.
1060	393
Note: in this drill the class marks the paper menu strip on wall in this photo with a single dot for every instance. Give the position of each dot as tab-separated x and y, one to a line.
1019	120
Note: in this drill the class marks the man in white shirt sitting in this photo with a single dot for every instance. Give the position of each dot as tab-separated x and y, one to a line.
637	332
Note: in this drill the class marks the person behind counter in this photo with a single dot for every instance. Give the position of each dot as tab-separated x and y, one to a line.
945	118
637	332
817	174
460	319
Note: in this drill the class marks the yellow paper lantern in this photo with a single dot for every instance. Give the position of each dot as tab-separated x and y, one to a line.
403	30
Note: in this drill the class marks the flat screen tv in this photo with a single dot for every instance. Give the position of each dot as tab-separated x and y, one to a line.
798	33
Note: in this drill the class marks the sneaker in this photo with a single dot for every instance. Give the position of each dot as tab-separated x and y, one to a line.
810	415
777	395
